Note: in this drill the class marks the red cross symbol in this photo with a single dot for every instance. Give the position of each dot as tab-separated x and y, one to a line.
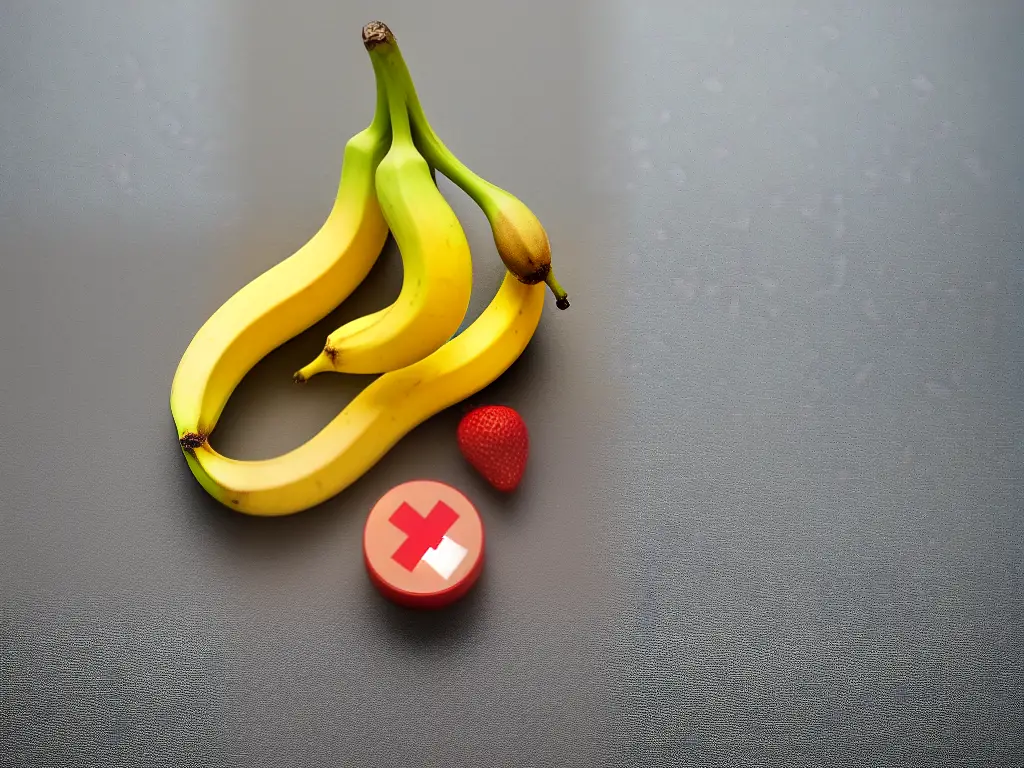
422	533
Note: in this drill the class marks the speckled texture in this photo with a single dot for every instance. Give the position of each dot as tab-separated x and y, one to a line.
822	208
773	513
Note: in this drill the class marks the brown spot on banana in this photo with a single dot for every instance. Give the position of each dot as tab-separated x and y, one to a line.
191	440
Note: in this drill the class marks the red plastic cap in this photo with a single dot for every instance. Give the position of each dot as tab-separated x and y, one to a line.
423	544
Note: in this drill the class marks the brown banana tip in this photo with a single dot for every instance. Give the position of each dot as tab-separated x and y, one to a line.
375	33
299	378
562	303
191	440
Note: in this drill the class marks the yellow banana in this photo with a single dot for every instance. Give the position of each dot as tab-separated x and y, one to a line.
438	269
289	297
379	416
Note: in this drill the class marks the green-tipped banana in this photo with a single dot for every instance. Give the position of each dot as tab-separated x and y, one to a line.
438	270
519	236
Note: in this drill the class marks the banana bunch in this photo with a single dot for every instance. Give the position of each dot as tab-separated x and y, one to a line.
387	185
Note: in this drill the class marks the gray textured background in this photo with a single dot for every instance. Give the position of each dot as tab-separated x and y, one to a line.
772	515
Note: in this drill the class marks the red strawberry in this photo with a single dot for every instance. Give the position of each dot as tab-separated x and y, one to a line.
494	440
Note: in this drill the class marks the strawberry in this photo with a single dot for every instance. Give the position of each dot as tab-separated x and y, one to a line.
494	440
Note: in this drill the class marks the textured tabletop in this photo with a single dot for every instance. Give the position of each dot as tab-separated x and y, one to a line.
772	515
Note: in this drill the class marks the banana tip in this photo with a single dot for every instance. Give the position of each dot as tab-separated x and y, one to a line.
375	33
299	377
561	297
191	440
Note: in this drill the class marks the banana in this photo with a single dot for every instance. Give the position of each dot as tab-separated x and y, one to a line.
518	234
438	270
290	296
379	416
284	301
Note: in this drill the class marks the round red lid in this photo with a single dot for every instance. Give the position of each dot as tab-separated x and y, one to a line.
423	544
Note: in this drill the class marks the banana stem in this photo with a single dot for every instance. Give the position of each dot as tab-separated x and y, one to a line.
382	114
378	128
561	297
383	58
430	144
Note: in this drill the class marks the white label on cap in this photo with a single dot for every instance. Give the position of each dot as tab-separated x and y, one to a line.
446	557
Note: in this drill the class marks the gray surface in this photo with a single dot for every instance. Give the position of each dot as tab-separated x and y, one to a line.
773	509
